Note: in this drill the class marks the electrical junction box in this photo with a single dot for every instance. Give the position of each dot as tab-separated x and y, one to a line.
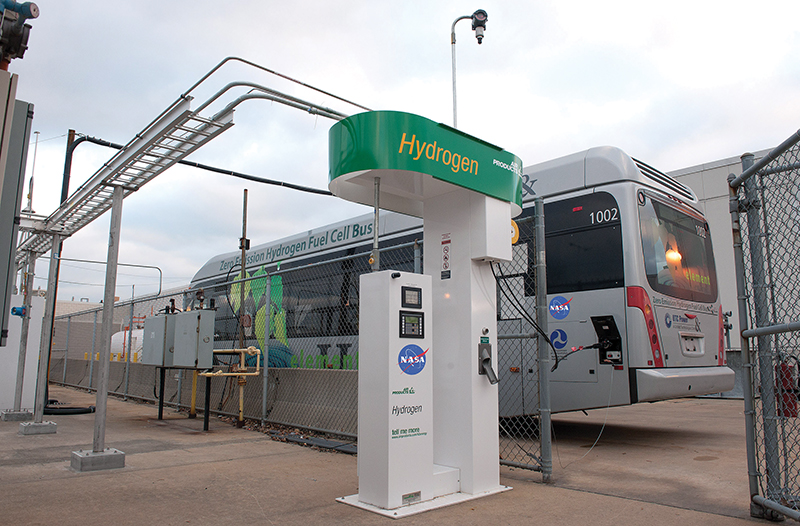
194	339
395	390
159	340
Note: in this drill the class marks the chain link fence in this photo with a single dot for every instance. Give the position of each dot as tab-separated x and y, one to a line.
765	208
523	433
305	319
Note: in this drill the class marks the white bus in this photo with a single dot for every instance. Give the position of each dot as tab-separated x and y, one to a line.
630	270
630	278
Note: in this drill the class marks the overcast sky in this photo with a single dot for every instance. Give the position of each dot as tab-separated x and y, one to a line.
674	84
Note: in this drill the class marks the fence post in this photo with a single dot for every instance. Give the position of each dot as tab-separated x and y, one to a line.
747	365
91	356
764	349
265	352
128	350
26	322
542	348
66	352
46	343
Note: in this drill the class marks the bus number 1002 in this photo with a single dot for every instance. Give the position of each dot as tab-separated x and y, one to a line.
604	216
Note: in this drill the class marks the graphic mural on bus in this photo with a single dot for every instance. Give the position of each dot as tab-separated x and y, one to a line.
284	352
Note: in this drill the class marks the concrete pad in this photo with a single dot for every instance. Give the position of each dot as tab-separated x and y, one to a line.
16	416
37	428
109	458
651	466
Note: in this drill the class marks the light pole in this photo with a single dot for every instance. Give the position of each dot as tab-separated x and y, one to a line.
479	19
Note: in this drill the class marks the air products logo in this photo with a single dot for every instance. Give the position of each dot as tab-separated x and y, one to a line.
559	307
411	359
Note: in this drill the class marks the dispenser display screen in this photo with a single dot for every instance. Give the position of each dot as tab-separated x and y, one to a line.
411	297
412	324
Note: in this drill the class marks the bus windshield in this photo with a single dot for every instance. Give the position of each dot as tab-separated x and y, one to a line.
678	258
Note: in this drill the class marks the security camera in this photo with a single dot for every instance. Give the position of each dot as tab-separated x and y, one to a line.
479	19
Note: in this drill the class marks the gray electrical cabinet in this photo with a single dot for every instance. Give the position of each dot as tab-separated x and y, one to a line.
14	152
158	346
194	339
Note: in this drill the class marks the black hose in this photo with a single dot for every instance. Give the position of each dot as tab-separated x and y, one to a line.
49	410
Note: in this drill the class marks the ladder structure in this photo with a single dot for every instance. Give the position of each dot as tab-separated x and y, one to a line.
176	133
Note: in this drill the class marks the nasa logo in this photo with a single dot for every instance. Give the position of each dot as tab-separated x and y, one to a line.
559	307
668	321
559	339
411	359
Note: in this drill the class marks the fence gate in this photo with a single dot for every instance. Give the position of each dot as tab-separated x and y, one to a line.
765	214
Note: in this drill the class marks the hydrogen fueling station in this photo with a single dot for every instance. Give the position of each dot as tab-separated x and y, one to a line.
427	393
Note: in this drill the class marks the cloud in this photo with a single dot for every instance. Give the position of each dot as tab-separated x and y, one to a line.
675	85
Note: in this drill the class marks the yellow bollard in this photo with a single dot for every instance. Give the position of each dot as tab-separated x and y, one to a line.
193	408
86	356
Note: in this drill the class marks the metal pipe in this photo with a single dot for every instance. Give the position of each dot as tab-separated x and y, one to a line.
747	366
520	465
223	171
128	350
293	101
453	48
66	350
162	381
207	407
543	349
375	257
46	340
262	68
772	329
160	275
243	247
765	353
780	508
519	336
312	109
193	406
99	439
23	339
91	356
771	156
180	387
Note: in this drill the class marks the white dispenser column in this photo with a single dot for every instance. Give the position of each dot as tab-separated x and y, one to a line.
463	231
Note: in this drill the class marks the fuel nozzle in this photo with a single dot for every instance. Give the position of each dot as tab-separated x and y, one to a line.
485	362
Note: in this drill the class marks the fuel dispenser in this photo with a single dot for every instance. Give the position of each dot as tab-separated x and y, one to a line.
428	398
394	368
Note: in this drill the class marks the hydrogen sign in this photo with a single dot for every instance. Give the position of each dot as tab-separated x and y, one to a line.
559	307
411	359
